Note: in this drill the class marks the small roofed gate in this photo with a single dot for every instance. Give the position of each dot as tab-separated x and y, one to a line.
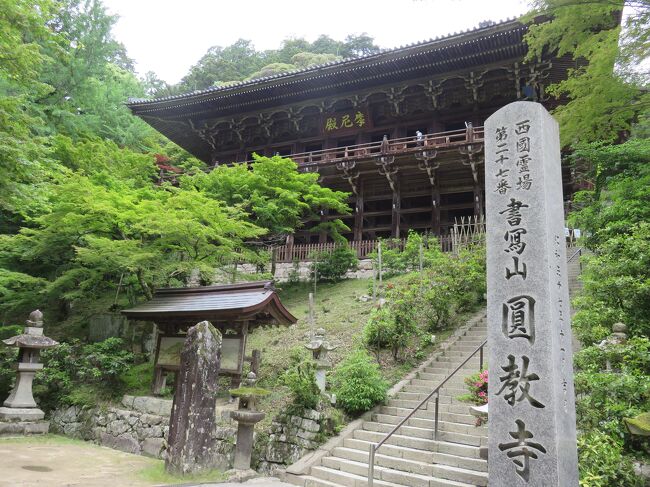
235	310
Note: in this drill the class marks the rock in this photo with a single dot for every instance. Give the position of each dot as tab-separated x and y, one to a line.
70	415
72	429
117	427
310	425
308	435
153	447
127	443
312	414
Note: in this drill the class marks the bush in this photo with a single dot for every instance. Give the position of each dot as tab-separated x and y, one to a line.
394	324
358	384
396	260
71	365
478	388
332	266
602	463
301	380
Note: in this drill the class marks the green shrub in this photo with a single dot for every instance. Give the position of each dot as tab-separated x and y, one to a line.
602	463
358	384
301	380
137	379
396	260
393	325
604	399
332	266
73	364
478	388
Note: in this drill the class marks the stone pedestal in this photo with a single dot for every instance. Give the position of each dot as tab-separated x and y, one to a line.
21	396
532	430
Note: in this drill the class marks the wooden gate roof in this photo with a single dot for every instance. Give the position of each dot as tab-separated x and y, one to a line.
254	301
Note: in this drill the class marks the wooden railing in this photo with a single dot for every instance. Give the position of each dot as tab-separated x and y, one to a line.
403	145
363	248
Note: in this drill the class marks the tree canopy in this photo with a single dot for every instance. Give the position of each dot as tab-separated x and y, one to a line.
606	93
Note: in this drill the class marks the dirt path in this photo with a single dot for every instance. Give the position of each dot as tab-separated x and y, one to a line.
59	463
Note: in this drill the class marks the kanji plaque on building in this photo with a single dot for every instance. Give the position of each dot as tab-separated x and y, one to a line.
348	121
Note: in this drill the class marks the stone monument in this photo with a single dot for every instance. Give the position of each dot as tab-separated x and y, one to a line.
20	414
192	424
532	430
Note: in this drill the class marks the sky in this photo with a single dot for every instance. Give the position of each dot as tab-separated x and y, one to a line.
169	36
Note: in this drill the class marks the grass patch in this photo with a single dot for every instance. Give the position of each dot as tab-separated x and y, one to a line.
156	474
49	439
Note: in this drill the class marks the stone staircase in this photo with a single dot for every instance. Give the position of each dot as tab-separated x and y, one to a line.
412	457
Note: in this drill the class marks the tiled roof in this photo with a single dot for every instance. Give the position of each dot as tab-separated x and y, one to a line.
386	55
213	303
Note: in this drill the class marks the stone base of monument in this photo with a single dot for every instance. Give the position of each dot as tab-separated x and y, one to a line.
21	414
24	428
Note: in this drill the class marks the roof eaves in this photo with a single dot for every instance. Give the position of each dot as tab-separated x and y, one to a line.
135	102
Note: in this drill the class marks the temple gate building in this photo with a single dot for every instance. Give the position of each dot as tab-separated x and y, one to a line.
400	130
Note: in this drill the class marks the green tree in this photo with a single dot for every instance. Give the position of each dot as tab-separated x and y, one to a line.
603	93
273	193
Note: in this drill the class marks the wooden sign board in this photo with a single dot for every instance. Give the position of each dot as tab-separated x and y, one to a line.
169	353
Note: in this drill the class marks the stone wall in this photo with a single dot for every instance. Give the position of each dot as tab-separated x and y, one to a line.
121	429
291	436
140	425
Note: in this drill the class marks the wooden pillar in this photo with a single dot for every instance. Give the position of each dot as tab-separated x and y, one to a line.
395	217
358	212
322	235
435	208
289	248
478	200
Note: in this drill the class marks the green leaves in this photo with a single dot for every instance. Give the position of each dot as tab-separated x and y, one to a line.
603	93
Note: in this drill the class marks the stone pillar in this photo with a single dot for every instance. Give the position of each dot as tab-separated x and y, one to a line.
532	431
192	423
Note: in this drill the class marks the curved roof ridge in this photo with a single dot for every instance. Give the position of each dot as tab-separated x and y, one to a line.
349	60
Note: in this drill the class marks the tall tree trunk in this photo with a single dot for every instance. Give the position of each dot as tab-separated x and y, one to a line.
143	284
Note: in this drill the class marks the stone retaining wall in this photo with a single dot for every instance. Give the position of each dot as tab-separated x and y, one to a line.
291	437
140	425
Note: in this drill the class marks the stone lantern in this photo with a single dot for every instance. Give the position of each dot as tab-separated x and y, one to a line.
20	406
320	348
246	416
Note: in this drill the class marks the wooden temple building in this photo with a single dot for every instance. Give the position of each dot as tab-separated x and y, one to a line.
400	130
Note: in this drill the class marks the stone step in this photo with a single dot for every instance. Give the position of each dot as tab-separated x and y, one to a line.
404	403
345	479
440	446
424	428
426	389
388	474
476	464
428	469
420	396
458	414
427	423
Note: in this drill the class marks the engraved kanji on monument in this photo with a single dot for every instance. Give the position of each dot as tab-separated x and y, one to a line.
531	427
